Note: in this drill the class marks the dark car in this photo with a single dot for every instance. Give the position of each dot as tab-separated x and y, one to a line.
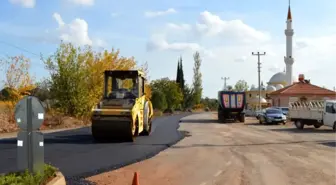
271	116
283	109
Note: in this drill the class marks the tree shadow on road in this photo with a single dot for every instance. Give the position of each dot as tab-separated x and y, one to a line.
257	124
304	131
253	144
68	139
79	182
205	121
198	121
330	144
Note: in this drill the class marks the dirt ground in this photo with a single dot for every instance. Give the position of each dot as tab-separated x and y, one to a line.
237	154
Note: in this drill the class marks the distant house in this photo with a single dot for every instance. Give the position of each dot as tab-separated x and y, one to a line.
300	91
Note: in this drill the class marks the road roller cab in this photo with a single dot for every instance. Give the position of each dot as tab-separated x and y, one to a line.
124	111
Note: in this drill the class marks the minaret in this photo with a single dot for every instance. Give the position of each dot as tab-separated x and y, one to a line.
289	60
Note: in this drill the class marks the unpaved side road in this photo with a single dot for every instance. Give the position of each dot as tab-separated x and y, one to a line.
237	154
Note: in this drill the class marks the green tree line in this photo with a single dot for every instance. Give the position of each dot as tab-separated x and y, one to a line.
168	94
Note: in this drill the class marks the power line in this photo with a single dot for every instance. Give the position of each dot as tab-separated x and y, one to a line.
19	48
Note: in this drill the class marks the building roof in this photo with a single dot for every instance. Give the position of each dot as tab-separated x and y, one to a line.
303	88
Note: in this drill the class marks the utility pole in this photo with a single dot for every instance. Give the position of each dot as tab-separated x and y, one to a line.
225	78
259	63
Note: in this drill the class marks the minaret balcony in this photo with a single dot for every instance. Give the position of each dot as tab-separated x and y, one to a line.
289	32
289	61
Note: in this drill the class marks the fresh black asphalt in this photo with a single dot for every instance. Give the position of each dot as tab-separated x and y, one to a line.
77	156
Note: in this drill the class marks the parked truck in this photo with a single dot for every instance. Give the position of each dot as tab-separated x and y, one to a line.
231	106
315	112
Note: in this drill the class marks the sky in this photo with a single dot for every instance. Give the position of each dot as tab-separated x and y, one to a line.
159	32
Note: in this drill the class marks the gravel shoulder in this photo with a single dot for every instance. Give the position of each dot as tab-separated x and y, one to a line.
237	153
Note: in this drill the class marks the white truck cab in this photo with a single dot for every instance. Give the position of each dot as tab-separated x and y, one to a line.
315	112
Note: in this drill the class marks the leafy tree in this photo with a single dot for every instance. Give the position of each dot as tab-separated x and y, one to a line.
212	104
159	100
170	90
77	76
18	81
148	90
69	79
241	85
42	90
188	97
197	79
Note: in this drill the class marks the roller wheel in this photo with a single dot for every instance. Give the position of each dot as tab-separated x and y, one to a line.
147	124
95	134
133	132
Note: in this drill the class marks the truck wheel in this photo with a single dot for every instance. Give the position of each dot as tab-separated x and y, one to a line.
317	126
299	124
334	127
221	118
242	118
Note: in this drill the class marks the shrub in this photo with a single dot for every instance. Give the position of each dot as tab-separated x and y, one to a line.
198	106
157	113
25	178
169	111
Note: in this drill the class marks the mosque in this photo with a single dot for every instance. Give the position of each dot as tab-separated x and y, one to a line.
278	80
282	86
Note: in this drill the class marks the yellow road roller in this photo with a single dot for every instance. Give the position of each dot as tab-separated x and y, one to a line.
124	112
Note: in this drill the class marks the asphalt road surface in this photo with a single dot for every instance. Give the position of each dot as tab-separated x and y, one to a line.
76	154
237	154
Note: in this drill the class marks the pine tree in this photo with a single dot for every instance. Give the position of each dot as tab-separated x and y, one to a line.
181	74
178	72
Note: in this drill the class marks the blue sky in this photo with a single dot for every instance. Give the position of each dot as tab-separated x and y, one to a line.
124	25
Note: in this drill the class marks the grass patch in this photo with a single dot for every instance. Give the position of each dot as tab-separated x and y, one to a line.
25	178
157	113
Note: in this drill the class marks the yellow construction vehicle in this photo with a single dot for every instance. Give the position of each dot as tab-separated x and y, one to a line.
124	111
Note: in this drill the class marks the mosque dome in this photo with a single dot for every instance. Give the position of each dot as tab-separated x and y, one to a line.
279	86
253	88
255	100
278	78
271	88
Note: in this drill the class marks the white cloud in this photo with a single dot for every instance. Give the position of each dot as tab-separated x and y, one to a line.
212	25
77	32
82	2
179	27
158	42
151	14
228	43
24	3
